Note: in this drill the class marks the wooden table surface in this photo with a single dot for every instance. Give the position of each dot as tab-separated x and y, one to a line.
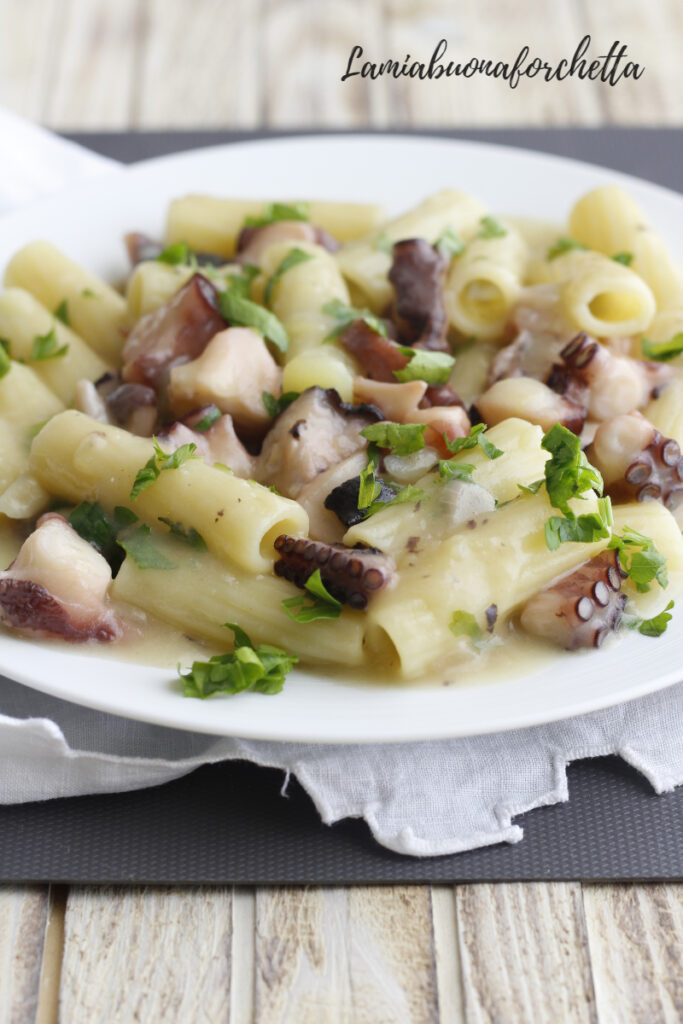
478	953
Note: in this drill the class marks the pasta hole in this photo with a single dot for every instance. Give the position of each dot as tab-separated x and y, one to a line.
615	307
483	301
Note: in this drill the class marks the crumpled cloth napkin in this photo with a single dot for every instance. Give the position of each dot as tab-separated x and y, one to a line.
421	799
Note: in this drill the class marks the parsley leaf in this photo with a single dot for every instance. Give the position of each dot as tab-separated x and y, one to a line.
662	350
475	437
579	529
5	357
643	565
464	624
210	417
189	535
369	487
454	469
401	438
321	604
159	461
273	405
143	552
92	523
46	346
261	669
62	312
431	367
347	314
278	211
406	494
384	244
625	258
568	473
240	310
533	488
177	253
88	293
293	258
650	627
563	245
491	228
449	243
241	283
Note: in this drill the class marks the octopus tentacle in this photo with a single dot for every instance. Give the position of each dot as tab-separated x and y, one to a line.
637	462
351	575
582	608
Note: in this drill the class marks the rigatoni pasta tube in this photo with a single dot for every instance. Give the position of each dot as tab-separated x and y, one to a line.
77	458
366	263
153	283
25	402
484	283
655	521
203	592
502	561
22	320
95	311
210	224
599	295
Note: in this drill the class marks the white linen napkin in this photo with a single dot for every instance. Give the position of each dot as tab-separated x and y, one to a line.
421	799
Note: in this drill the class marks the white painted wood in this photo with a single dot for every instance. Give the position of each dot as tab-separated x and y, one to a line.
635	937
23	916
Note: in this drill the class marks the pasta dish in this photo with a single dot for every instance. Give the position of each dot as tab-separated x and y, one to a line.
306	432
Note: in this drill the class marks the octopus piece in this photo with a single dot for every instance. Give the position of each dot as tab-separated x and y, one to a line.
605	384
636	462
418	273
323	524
351	575
530	400
219	443
315	432
57	587
176	332
580	609
141	248
441	396
377	356
232	373
539	330
343	500
409	403
109	400
253	242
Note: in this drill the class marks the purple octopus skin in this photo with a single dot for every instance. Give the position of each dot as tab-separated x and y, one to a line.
655	474
177	332
29	607
377	356
351	575
582	608
417	274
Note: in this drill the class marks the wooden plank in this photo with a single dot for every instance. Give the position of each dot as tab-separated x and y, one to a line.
636	946
524	954
148	955
27	54
338	956
23	917
93	82
447	955
200	68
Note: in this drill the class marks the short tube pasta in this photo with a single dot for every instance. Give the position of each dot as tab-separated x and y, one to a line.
211	224
96	312
154	282
76	458
202	593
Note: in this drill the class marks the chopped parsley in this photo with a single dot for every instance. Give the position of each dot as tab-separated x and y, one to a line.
449	243
454	469
143	552
650	627
262	669
583	529
273	405
178	253
402	497
532	488
211	416
293	258
159	461
369	487
316	603
238	309
5	357
101	530
640	559
401	438
662	350
475	437
464	624
62	312
347	314
491	228
279	211
568	474
187	534
241	283
46	346
563	245
88	293
384	244
432	367
625	258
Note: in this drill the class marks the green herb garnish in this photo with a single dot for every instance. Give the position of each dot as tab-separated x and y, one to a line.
239	310
293	258
278	211
62	312
46	346
450	244
491	228
563	245
317	603
261	669
402	497
369	487
188	535
650	627
273	405
662	350
454	469
475	437
143	552
5	357
347	314
432	367
159	461
640	559
583	529
625	258
176	254
101	530
211	416
384	244
568	473
464	624
401	438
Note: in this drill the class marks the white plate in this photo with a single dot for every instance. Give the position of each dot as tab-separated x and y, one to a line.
88	223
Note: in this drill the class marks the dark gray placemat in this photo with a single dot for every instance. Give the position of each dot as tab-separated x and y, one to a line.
230	824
